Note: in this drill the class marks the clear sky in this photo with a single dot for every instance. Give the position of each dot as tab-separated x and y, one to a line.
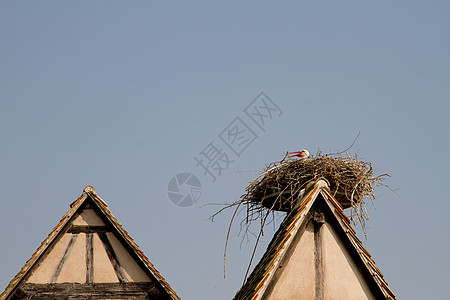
124	95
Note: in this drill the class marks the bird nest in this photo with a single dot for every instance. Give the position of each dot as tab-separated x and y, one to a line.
350	180
279	186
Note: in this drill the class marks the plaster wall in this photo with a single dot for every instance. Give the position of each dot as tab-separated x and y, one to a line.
103	269
74	269
88	217
45	270
297	278
342	279
132	271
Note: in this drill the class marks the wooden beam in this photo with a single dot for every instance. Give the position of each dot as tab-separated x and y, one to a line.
87	229
131	290
319	220
89	258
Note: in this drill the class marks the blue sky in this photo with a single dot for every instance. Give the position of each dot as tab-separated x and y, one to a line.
123	96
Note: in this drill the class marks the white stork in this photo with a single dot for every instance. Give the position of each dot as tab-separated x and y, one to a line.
301	154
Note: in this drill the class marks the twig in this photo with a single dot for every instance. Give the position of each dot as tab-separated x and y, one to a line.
343	151
228	235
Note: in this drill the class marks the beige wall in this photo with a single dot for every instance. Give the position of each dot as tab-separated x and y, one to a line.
342	279
297	279
131	269
88	217
43	273
74	267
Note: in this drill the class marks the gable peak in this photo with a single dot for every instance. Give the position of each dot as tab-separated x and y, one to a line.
89	189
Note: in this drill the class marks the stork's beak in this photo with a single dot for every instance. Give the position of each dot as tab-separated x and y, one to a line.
295	152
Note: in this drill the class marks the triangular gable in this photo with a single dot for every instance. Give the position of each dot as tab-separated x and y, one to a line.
315	254
89	254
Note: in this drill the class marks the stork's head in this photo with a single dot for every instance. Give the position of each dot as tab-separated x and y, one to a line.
304	153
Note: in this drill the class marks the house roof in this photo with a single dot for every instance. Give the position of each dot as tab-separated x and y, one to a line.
89	196
263	273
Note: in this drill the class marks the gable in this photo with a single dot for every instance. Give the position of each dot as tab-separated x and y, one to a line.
88	252
315	254
317	263
88	255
